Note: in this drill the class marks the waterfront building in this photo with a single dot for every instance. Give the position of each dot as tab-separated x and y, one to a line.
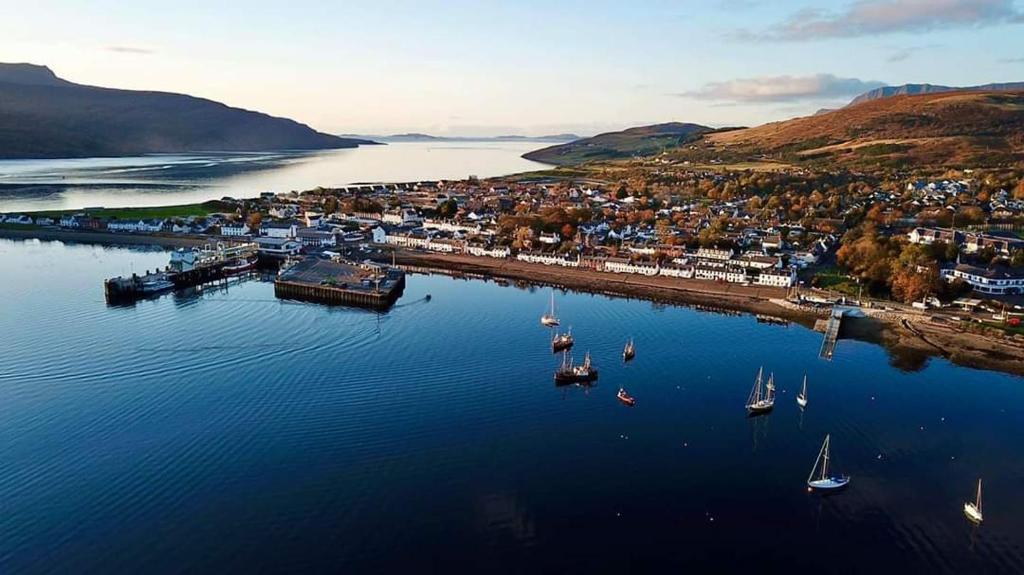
624	266
548	259
314	238
723	273
676	271
776	278
489	252
994	281
278	247
285	229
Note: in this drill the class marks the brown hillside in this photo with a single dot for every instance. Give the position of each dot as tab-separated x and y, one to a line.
957	128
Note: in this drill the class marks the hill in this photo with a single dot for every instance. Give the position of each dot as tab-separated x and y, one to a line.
915	89
640	141
943	129
43	116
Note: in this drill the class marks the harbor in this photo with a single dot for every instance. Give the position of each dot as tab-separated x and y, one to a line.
331	420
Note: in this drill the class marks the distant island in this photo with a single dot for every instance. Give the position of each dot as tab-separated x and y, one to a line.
44	116
416	137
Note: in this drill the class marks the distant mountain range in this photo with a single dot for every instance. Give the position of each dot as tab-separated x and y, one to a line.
44	116
914	89
640	141
414	137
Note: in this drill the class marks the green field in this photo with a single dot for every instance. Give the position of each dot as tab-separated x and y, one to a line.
833	279
155	212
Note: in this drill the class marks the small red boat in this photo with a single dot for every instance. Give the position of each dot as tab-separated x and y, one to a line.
626	398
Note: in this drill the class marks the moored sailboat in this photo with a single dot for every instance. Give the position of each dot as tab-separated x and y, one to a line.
973	509
629	352
801	398
762	397
549	319
823	481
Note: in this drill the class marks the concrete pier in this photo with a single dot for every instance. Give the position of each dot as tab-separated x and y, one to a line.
331	282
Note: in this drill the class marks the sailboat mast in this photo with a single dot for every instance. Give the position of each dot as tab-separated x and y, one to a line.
820	453
977	502
824	464
803	392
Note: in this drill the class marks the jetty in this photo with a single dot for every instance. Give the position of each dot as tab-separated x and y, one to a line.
339	282
187	268
828	345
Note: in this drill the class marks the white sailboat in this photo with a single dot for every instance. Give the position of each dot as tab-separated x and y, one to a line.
973	510
823	481
550	319
762	397
801	398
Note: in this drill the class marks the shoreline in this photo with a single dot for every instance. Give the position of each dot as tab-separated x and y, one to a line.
905	335
105	238
900	332
751	299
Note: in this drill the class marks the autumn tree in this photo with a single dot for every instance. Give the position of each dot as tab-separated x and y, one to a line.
914	274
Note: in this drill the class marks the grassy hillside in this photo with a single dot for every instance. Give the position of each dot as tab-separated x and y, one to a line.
948	129
641	141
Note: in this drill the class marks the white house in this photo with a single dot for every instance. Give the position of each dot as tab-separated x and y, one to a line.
145	226
403	217
234	229
286	229
314	219
714	254
777	278
314	238
547	259
676	271
551	239
493	252
624	266
19	219
720	273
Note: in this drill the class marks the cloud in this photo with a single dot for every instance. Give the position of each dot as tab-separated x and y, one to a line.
1011	60
783	89
130	50
902	53
876	17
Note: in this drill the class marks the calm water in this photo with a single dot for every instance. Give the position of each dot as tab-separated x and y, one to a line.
230	432
27	185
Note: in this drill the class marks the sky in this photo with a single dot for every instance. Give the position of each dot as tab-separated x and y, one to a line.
523	67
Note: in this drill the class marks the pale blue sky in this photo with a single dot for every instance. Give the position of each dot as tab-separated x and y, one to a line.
519	67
